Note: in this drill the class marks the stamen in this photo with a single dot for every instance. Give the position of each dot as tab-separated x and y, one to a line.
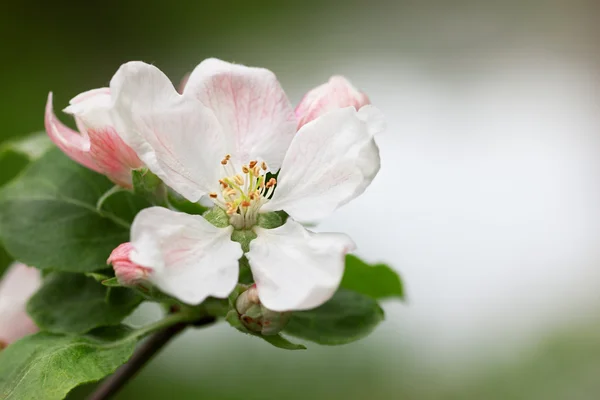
213	195
263	165
224	161
252	163
245	169
239	180
271	182
245	203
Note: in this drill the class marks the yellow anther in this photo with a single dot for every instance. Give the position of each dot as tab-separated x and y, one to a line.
252	163
227	156
263	165
223	183
239	180
245	169
224	161
256	170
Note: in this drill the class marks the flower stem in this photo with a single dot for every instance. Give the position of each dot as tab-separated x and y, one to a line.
113	190
144	353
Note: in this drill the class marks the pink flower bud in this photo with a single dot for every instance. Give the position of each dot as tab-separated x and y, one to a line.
18	284
97	146
127	272
337	93
256	317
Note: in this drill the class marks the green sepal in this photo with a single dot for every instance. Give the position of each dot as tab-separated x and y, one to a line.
270	220
97	276
149	186
217	216
245	275
243	237
111	282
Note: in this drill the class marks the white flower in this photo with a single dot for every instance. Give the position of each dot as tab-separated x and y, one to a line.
219	138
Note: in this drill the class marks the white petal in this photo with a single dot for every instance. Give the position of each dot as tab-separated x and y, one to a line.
254	111
92	112
296	269
190	258
91	109
18	284
177	138
331	161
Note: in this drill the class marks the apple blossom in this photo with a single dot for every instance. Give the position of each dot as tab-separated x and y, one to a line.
97	146
19	283
127	272
231	126
338	92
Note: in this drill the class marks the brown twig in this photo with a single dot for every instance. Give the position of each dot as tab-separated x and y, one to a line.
142	355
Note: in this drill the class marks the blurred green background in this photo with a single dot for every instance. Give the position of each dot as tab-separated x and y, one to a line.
487	202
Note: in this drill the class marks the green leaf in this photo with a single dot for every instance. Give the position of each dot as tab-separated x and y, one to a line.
14	157
347	317
46	366
74	303
48	217
5	261
180	203
377	281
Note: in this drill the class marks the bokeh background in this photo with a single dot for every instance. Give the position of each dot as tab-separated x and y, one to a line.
487	202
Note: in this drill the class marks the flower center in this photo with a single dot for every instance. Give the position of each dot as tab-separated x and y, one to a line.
242	194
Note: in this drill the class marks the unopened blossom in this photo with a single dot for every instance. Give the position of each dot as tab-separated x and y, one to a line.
256	317
127	272
338	92
17	285
230	127
97	145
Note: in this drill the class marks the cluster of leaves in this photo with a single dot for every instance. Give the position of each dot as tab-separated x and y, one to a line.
51	218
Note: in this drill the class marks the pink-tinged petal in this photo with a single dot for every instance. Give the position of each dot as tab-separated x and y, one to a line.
296	269
127	272
92	111
73	144
18	284
190	258
176	137
257	118
331	161
338	92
